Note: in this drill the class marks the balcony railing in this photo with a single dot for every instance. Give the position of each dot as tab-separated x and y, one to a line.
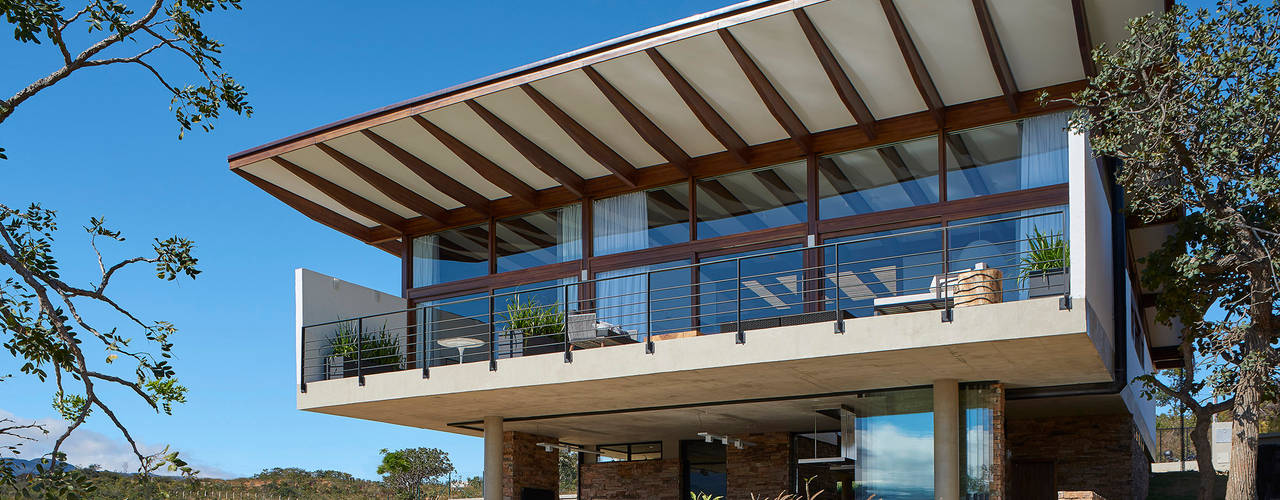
987	261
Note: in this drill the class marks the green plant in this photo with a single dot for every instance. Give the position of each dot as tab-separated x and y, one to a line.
380	347
808	495
1049	252
343	342
534	319
704	496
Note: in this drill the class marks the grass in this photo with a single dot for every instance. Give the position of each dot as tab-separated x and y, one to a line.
1182	485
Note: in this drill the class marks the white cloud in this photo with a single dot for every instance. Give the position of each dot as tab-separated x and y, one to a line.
87	447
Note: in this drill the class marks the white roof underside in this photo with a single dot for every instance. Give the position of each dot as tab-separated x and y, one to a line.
1038	37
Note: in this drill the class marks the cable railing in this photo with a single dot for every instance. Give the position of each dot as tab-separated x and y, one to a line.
932	269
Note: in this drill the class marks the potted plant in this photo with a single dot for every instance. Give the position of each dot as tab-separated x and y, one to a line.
1044	264
341	361
541	328
381	352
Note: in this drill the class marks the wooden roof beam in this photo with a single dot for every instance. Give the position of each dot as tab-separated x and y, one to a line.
539	157
592	145
311	209
999	62
769	94
1083	38
481	165
915	63
348	199
429	174
714	123
392	189
839	79
650	132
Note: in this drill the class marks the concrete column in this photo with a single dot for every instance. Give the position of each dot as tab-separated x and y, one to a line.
946	439
493	458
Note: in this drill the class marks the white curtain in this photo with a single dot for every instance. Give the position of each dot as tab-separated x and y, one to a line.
621	224
426	260
570	247
1043	163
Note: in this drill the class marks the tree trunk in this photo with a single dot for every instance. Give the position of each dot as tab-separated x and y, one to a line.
1204	455
1242	482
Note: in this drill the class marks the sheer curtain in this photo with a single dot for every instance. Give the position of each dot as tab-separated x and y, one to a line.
426	260
621	224
570	247
1043	163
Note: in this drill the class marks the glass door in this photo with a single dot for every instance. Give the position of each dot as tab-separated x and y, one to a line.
703	470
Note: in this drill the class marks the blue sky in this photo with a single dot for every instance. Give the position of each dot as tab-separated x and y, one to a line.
104	143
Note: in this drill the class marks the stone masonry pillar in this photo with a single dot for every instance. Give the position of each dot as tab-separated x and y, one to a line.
493	458
946	439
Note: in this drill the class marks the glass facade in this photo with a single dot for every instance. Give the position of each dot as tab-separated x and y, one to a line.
646	299
636	221
860	269
977	412
451	255
1007	157
703	469
767	289
883	178
750	201
539	238
894	435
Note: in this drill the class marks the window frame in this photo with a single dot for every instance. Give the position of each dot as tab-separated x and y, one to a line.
630	446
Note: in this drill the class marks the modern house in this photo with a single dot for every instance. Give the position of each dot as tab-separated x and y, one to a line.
835	243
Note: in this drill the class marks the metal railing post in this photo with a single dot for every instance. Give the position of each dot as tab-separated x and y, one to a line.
425	350
360	350
946	275
742	336
648	312
1064	303
493	339
302	363
839	312
564	332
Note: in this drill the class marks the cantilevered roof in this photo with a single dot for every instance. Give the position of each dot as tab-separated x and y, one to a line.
652	106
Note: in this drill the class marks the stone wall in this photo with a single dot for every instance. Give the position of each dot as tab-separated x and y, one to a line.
642	480
999	462
527	465
1094	453
763	469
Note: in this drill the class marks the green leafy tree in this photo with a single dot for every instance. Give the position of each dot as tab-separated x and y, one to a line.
41	322
568	471
407	470
1190	105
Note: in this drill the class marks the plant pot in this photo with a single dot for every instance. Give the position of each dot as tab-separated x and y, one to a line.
543	344
1043	283
334	367
350	367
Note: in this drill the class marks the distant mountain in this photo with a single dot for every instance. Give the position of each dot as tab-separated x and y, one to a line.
28	466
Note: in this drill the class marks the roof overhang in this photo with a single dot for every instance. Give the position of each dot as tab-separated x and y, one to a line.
751	84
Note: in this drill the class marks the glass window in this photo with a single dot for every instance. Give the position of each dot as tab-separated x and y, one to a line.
451	255
771	287
457	317
531	319
882	178
977	405
704	468
1007	157
630	452
1027	250
539	238
636	221
643	297
863	268
749	201
894	436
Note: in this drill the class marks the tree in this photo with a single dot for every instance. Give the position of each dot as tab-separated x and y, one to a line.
41	324
407	470
568	470
1190	105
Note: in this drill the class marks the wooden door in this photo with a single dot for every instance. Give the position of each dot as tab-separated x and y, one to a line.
1032	480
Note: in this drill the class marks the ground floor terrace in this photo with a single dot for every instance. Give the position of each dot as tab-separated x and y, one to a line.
948	440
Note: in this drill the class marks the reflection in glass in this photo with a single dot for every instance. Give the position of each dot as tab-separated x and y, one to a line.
893	263
977	402
771	288
530	319
636	301
636	221
1003	242
539	238
749	201
704	468
882	178
1007	157
894	436
451	255
466	316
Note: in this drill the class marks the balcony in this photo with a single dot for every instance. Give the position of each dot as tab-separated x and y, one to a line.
934	270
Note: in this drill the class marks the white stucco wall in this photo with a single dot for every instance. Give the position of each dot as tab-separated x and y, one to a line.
1143	409
1091	243
319	298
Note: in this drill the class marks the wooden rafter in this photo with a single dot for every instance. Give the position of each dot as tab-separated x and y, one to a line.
309	208
999	62
839	79
652	135
714	123
348	199
483	166
539	157
915	63
898	166
592	145
1083	38
777	187
393	247
429	174
394	190
769	94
